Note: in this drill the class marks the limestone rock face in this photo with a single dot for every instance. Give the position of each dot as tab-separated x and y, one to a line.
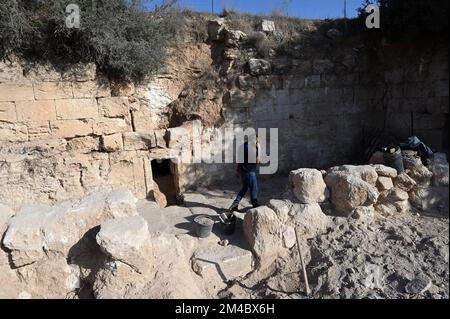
259	67
308	185
271	232
404	182
385	171
417	171
308	219
126	240
262	229
367	173
215	29
384	183
38	229
349	191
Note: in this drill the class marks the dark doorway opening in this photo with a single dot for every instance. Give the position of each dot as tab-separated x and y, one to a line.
165	176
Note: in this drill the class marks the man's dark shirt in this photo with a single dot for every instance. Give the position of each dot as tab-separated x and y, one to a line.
246	166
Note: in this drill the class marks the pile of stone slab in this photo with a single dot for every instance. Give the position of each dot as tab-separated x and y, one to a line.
358	192
97	246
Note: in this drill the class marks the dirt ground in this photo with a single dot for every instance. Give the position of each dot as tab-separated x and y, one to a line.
401	256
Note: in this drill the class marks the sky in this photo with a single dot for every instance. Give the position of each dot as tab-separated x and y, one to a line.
308	9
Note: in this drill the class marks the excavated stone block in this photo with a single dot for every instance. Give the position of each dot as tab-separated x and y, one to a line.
36	110
138	141
384	183
16	92
126	240
222	263
76	109
114	107
107	126
308	185
349	191
71	128
112	143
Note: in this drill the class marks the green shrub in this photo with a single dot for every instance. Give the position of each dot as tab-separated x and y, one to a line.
124	38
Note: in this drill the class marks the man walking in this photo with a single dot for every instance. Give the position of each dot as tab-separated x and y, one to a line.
247	172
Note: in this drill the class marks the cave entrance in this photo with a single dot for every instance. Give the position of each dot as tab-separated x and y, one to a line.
165	176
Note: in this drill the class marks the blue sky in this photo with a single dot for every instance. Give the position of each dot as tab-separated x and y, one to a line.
310	9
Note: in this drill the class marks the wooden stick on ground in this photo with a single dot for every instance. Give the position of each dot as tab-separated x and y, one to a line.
305	277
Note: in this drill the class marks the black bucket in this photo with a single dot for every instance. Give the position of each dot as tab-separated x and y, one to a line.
394	160
203	226
228	224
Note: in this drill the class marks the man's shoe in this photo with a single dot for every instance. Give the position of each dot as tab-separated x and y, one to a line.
234	207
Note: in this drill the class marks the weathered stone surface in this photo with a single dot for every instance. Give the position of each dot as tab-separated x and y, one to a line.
37	230
222	263
281	208
126	240
384	183
112	143
270	238
108	126
84	145
259	67
71	128
422	176
308	219
418	285
349	192
364	214
24	236
178	137
52	90
76	109
234	37
143	119
404	182
8	112
385	171
35	110
365	172
13	132
50	278
138	141
263	231
114	107
215	29
308	185
397	195
10	92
